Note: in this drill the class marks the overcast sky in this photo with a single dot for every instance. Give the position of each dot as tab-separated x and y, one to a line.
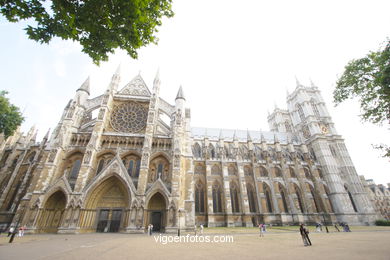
234	59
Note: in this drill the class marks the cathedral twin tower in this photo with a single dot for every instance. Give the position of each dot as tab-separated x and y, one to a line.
126	168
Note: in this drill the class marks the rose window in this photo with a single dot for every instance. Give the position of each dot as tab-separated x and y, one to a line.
130	117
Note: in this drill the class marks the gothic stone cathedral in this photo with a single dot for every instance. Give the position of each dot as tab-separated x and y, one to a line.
113	165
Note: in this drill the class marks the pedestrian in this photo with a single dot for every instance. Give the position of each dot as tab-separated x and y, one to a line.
149	233
20	232
318	229
11	230
305	235
151	229
264	228
261	230
201	229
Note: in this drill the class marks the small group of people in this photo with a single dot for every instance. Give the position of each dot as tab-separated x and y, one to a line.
345	227
262	229
21	230
201	228
150	229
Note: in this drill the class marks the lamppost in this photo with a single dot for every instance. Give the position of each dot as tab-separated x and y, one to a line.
326	227
178	231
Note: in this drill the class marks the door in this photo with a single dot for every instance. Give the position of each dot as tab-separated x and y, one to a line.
103	220
156	220
115	220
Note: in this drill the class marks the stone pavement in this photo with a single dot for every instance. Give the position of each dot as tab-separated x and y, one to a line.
288	245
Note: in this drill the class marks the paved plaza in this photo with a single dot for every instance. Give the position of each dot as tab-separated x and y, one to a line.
277	244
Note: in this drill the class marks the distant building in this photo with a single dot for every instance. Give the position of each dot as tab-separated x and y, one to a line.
379	196
127	158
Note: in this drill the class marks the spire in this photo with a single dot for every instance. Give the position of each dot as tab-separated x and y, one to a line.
220	135
248	136
34	137
85	86
262	137
157	77
297	82
118	70
46	135
235	136
156	82
180	94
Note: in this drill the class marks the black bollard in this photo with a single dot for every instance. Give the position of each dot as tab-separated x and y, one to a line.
12	237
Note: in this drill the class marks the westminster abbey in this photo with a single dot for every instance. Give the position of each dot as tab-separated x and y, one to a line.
112	164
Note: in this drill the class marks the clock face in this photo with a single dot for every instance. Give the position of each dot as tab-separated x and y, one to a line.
324	129
129	118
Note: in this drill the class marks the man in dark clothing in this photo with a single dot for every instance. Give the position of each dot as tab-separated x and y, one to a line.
305	235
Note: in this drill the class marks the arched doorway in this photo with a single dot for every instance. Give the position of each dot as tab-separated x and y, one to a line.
157	212
110	202
51	215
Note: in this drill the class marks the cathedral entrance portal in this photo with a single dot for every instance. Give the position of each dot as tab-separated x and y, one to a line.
109	201
109	220
157	212
52	213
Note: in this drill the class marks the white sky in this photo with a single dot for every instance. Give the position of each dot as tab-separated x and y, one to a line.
234	59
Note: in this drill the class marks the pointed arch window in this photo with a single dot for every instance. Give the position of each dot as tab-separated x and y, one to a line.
137	168
314	199
283	195
351	198
263	172
278	172
197	151
131	167
299	198
287	125
292	173
307	173
251	198
268	198
299	202
100	166
217	199
215	170
231	170
315	108
328	195
301	113
234	199
74	173
212	151
199	198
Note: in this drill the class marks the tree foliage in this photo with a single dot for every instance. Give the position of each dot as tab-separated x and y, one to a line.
368	79
10	116
100	26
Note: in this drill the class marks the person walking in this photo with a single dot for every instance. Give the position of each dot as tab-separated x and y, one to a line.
305	235
261	230
201	229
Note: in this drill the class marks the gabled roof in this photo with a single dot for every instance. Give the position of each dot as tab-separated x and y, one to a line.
136	87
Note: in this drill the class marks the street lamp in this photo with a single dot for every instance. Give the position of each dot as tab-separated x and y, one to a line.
178	231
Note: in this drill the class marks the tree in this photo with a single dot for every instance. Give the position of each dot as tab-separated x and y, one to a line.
10	116
368	79
100	26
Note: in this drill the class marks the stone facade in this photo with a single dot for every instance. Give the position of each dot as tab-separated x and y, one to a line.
379	195
127	158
